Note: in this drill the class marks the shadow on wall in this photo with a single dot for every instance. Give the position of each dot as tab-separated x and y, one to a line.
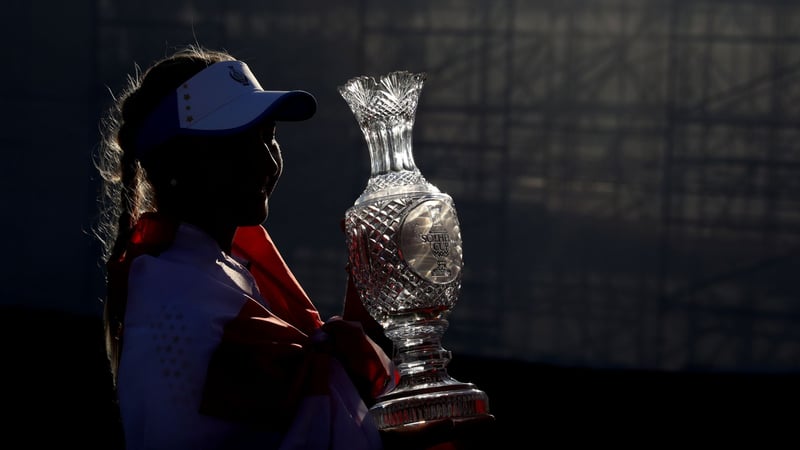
56	378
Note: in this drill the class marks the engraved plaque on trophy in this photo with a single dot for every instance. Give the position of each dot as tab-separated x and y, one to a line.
405	255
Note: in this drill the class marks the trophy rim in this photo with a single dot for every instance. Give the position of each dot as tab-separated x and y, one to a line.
375	80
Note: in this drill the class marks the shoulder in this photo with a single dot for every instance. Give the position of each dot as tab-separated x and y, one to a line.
160	284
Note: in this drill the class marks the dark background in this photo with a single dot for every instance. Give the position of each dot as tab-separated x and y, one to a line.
626	174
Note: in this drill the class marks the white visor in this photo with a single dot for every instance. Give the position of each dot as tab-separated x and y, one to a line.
220	100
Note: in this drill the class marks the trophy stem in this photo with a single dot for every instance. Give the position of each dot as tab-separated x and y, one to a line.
425	391
418	351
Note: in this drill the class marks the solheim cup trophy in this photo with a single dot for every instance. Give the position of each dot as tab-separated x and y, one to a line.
404	251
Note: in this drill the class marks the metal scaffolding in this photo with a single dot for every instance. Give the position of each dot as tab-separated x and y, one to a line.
626	172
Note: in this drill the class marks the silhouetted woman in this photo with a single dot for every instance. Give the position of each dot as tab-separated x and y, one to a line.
212	343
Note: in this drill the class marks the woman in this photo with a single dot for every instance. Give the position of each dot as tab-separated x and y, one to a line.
212	343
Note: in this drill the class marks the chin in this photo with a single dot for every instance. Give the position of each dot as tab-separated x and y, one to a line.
251	213
260	219
255	218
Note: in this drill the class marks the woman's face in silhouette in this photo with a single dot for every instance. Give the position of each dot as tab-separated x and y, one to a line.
229	179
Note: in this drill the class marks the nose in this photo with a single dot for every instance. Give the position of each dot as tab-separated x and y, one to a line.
275	160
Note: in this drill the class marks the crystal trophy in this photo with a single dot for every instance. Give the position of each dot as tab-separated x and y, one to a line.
404	251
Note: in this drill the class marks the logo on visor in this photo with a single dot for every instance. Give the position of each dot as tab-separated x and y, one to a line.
238	76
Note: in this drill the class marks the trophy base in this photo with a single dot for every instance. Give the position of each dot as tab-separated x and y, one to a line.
445	400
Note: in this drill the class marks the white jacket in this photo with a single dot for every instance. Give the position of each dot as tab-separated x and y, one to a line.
178	306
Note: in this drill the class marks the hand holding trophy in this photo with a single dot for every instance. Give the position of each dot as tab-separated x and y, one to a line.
405	256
